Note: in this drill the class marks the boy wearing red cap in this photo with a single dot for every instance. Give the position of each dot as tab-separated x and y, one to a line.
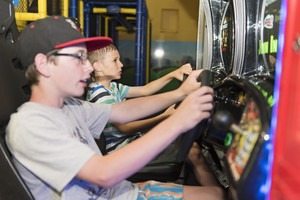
51	137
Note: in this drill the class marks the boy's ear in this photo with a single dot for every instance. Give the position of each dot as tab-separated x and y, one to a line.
41	64
97	66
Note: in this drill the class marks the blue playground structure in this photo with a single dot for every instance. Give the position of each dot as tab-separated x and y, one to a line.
131	15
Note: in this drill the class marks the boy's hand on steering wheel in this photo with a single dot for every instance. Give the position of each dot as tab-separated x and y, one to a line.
191	83
184	69
194	108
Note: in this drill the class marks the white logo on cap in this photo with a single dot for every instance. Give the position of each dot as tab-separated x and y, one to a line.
71	23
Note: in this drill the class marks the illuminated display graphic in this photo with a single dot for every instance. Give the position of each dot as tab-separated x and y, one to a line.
244	141
269	43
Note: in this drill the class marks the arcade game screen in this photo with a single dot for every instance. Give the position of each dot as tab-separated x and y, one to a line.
244	141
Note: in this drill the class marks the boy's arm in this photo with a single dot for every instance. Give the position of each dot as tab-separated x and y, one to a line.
138	108
158	84
143	125
109	170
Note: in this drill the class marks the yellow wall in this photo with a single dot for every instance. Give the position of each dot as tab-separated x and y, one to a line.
187	20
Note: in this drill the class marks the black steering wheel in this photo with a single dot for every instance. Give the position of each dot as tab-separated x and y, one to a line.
195	133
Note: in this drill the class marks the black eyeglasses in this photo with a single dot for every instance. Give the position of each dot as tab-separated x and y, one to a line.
81	56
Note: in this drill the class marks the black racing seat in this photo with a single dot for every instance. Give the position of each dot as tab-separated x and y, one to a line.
12	186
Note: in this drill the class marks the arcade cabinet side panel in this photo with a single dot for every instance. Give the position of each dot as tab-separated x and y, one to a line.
286	173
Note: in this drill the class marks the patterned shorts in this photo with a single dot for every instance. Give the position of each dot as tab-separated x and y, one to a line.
156	190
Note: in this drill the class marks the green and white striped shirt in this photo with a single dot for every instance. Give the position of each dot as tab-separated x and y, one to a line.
97	93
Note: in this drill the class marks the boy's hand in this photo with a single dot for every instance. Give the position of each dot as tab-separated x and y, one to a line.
184	69
191	83
193	109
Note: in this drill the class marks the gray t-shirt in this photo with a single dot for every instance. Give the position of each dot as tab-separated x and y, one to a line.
51	145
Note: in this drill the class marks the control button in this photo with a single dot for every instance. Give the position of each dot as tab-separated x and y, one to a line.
228	139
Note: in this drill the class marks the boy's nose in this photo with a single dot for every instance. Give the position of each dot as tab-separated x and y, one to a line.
121	64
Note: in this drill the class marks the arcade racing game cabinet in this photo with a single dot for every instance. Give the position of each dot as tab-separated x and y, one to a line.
244	37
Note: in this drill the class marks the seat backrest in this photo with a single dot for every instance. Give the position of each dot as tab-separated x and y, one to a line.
11	80
11	184
12	96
